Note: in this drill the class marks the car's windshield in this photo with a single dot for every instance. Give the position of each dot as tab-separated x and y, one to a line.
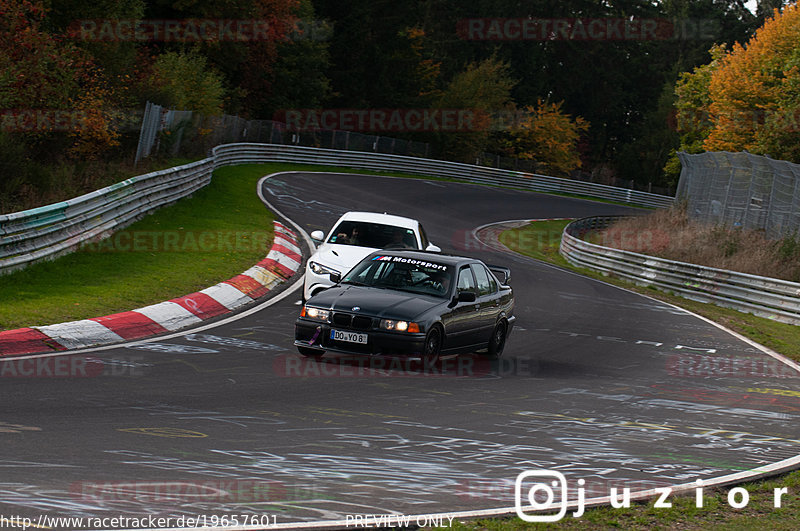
374	235
404	274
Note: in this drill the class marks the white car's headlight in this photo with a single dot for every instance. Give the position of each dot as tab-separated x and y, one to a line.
317	314
320	269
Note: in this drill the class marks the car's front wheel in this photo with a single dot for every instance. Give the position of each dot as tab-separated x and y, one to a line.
310	352
498	340
433	346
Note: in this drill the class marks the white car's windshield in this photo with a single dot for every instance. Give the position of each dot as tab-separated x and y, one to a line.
403	274
374	235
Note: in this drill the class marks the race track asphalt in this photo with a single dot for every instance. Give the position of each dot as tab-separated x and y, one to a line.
597	383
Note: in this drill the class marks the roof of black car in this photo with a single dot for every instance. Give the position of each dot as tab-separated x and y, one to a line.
447	259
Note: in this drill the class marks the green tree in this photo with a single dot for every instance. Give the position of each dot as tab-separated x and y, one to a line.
115	57
183	81
298	77
692	118
245	67
484	88
615	84
374	59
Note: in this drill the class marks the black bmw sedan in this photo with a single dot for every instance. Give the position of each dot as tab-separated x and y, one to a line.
410	303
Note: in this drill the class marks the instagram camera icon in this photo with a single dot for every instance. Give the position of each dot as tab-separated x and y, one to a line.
546	482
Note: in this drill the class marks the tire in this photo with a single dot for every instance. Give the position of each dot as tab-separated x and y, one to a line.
310	352
433	346
498	340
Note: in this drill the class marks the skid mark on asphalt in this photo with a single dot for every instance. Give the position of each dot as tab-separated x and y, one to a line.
196	416
233	342
637	403
6	427
170	433
174	348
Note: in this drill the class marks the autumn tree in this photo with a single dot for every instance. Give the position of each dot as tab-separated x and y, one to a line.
548	135
50	76
754	92
37	69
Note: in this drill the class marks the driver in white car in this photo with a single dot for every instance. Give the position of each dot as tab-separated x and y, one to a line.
352	239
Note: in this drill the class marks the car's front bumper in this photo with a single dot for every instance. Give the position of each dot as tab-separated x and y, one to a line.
315	335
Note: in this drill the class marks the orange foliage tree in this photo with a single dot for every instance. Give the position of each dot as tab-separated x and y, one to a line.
548	135
37	69
755	92
46	75
96	128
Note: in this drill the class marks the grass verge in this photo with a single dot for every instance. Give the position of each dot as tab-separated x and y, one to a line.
220	231
541	240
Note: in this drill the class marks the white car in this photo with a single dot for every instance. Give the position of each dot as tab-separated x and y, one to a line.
353	237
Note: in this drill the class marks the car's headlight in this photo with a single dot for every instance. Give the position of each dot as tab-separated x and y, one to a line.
320	269
316	314
399	326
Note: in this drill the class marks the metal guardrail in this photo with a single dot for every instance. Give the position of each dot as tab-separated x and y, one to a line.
47	232
246	153
767	297
50	231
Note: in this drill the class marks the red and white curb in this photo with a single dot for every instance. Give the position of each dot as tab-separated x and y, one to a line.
283	260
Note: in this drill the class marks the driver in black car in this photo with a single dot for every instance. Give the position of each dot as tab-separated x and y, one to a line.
440	281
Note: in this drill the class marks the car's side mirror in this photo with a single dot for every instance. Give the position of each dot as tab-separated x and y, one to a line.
318	236
467	296
335	277
433	248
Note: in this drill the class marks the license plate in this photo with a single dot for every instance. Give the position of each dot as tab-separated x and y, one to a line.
350	337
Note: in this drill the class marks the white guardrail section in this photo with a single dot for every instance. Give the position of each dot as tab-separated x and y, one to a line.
50	231
245	153
767	297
